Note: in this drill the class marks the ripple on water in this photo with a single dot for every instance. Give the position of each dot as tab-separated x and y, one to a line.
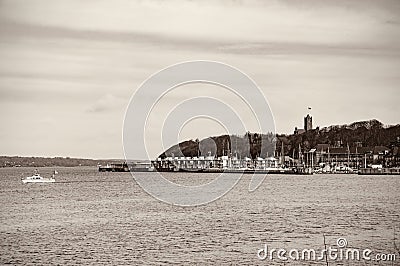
105	218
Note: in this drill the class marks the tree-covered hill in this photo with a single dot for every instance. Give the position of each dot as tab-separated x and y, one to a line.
362	134
10	161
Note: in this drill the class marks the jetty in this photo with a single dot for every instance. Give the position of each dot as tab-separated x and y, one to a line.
114	167
379	171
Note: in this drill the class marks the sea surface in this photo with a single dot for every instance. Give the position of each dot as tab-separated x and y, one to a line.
94	218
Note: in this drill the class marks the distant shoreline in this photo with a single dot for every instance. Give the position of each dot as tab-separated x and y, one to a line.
369	133
21	161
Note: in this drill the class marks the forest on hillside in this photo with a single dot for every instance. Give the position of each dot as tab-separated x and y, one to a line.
361	134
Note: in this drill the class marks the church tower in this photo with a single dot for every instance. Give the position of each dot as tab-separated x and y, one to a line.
307	123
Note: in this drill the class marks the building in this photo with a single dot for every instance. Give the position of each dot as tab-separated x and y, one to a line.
354	157
307	125
224	162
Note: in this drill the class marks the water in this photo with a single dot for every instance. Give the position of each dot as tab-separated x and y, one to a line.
88	217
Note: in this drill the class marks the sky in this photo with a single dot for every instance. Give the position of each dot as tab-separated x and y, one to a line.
69	68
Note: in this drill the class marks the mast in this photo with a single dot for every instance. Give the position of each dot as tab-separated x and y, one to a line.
356	157
282	154
365	160
329	157
348	155
300	155
292	163
236	147
322	155
312	160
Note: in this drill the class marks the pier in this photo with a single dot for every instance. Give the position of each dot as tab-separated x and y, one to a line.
114	167
379	171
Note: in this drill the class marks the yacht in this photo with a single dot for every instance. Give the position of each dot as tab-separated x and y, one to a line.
37	178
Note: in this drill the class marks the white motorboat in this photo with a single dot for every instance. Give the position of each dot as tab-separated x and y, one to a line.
37	178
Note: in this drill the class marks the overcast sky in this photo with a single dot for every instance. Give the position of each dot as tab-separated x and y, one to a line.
69	68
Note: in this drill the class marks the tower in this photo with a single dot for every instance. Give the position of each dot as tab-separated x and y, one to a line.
307	123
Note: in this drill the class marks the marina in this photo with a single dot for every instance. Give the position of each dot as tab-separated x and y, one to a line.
226	164
209	164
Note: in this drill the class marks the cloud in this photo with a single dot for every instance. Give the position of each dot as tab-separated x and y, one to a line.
62	58
330	22
105	103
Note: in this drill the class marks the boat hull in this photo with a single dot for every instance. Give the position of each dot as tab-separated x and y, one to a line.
39	181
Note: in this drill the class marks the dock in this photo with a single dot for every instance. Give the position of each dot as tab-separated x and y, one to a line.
114	167
379	171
